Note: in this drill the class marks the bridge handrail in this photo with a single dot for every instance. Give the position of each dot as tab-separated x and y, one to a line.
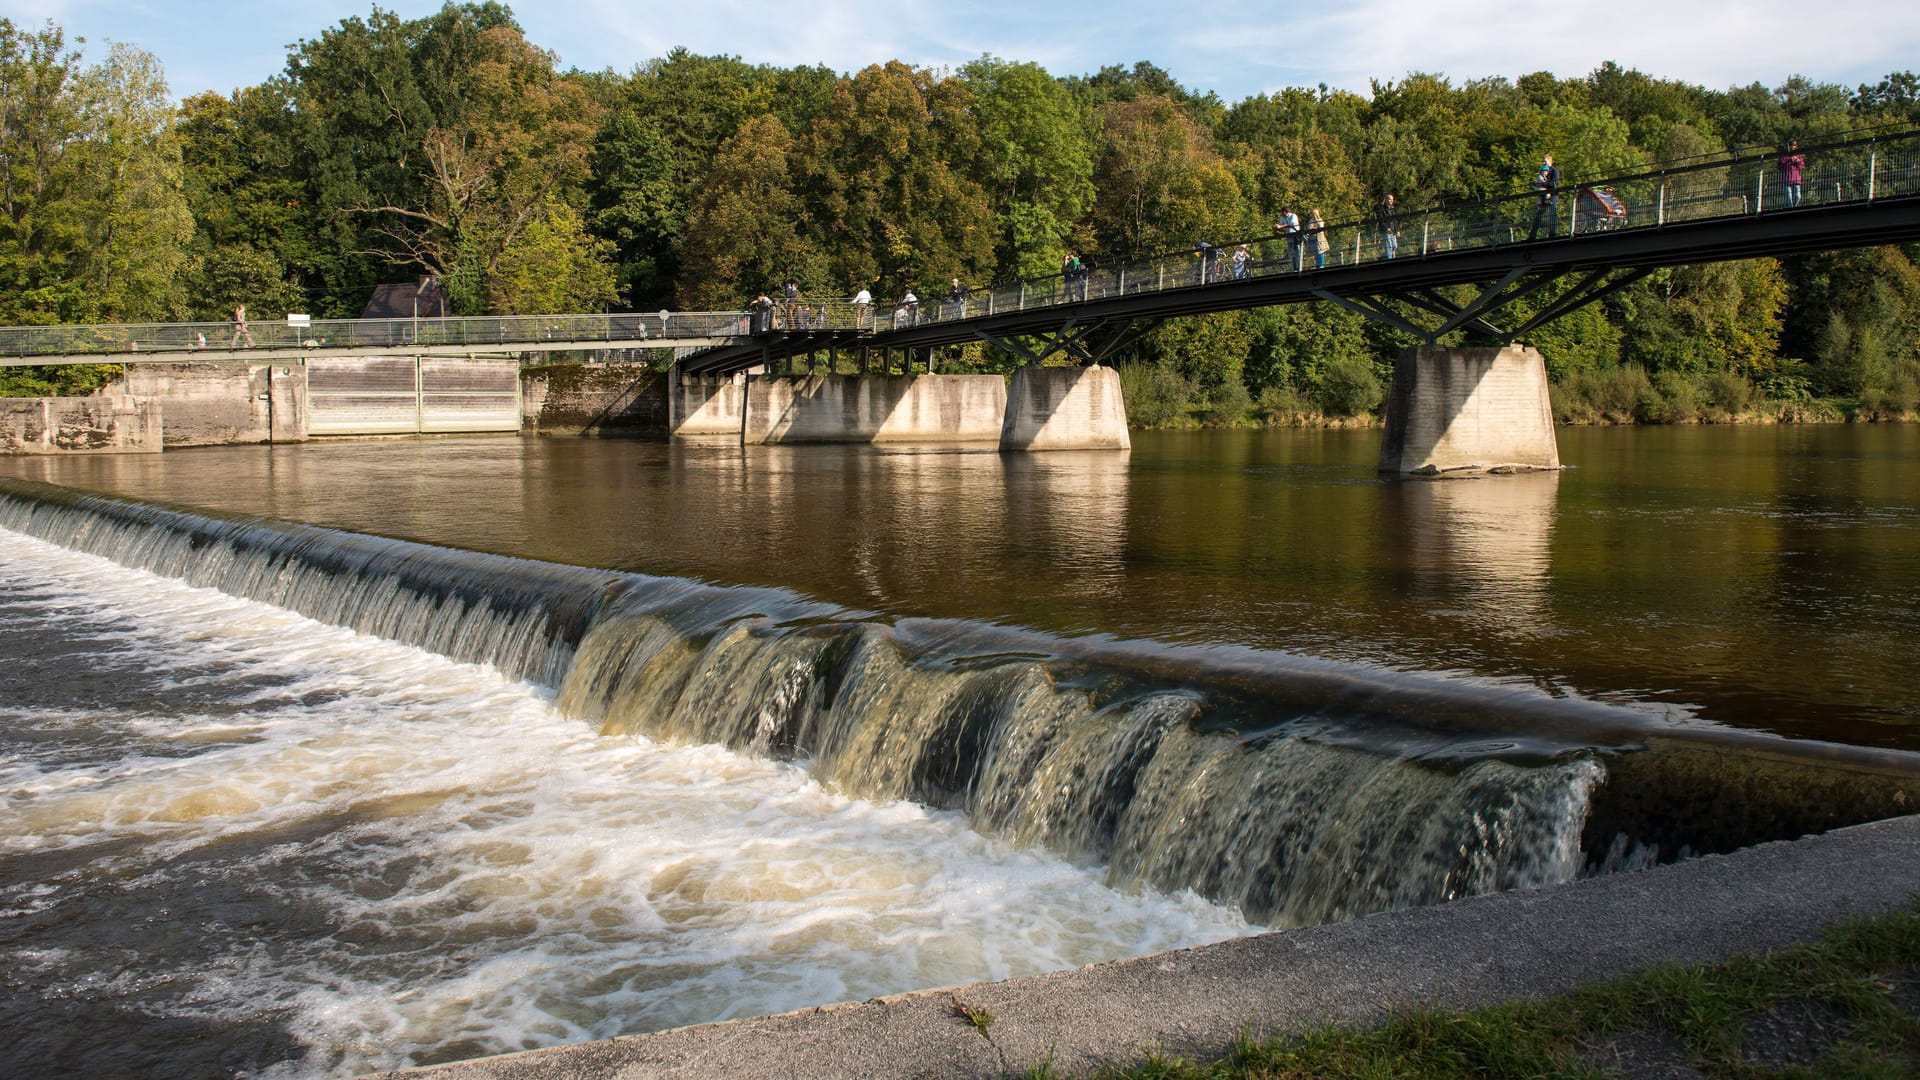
1852	170
481	332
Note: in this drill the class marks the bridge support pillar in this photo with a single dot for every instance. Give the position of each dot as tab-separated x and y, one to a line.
876	409
1064	408
1455	409
706	405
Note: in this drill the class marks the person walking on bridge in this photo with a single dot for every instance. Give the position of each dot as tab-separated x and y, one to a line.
1317	237
240	328
1386	217
861	303
1546	188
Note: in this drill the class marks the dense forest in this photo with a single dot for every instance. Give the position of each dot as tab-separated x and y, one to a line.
452	146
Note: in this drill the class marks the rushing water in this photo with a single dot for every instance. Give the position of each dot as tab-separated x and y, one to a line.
765	728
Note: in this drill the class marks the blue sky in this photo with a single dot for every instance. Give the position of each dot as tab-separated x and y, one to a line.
1236	48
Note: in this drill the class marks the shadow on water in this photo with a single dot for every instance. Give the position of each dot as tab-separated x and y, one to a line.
1299	790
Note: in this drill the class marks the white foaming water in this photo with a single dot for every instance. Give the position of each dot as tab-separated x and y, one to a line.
462	870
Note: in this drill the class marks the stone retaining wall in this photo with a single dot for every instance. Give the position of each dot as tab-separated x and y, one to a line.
108	423
594	399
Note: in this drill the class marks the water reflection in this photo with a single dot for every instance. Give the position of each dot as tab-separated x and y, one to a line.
1072	507
1482	544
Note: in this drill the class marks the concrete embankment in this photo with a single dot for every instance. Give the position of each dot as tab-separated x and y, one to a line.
108	423
1194	1002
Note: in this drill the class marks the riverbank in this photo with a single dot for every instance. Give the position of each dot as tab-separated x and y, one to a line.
1197	1003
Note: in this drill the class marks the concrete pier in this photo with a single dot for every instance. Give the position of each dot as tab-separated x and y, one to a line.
1468	409
874	409
1065	409
706	406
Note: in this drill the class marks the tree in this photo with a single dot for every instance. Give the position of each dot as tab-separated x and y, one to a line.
885	204
744	233
40	118
1161	184
1035	162
553	265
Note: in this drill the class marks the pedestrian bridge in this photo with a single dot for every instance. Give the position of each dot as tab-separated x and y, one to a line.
1428	272
1603	233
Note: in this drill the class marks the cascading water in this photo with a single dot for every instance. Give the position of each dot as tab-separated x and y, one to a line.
1108	765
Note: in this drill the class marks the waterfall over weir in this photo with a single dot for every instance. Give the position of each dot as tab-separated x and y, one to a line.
1300	791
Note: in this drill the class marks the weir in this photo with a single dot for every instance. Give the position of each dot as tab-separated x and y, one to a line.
1300	790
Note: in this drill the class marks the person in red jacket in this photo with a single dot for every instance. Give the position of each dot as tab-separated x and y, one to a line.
1791	164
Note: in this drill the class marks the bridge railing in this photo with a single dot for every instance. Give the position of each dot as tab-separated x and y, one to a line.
1727	187
489	332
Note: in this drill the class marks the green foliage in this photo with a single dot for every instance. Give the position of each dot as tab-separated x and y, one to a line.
1621	395
554	265
1227	405
1157	396
1283	405
1035	162
1348	387
744	231
67	380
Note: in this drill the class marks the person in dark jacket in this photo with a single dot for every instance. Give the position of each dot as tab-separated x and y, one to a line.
1546	188
1387	218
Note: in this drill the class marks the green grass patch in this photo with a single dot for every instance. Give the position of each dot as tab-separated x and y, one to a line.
1847	1005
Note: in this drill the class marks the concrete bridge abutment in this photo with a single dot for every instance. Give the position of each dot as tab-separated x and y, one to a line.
1468	409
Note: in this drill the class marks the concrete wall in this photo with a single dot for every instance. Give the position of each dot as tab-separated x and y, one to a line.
1456	409
106	423
707	406
874	408
594	399
1065	409
222	404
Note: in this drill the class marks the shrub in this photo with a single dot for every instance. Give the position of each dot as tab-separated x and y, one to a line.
1678	399
1156	395
1728	393
1349	387
1620	395
1284	405
1228	405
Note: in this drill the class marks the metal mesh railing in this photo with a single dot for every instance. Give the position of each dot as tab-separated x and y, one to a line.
490	332
1732	186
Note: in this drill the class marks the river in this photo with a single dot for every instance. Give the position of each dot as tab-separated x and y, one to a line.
771	727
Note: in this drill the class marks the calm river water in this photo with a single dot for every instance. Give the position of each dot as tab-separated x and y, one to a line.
234	839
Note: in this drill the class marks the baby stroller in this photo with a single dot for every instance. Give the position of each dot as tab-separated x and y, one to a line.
1599	210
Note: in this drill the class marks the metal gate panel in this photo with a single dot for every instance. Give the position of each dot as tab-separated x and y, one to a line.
363	395
469	395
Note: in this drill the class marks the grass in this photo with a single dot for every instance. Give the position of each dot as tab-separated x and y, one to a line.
1857	989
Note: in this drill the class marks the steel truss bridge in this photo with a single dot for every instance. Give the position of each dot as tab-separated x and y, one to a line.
1600	236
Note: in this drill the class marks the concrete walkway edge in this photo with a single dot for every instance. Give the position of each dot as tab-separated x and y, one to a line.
1195	1002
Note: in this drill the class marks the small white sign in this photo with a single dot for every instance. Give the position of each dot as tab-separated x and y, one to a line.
299	320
